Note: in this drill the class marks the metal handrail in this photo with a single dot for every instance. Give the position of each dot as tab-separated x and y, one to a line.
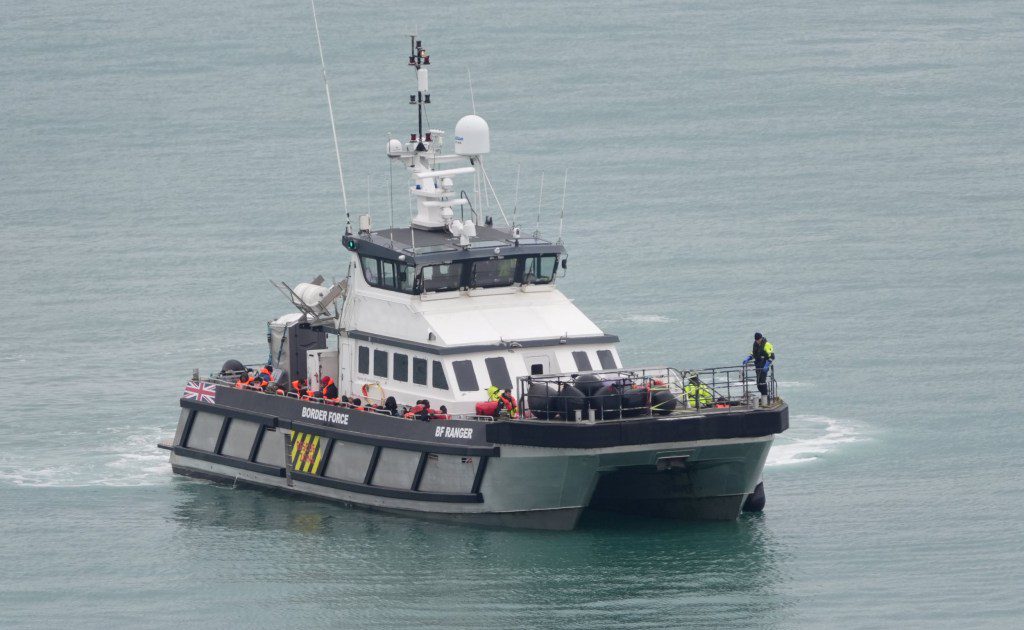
727	387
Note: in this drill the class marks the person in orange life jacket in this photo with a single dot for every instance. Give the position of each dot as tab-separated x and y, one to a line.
244	381
357	404
507	402
299	387
328	390
263	378
424	411
443	415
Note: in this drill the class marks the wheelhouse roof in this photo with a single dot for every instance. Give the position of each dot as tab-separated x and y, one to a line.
435	246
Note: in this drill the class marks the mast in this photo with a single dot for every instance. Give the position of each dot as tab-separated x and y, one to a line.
418	58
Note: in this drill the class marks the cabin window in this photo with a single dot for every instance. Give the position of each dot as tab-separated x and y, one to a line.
465	375
582	361
606	359
400	368
442	277
499	272
364	360
539	269
380	363
370	271
419	371
497	371
405	278
536	369
387	275
437	379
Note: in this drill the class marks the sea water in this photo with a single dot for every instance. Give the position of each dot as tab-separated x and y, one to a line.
843	177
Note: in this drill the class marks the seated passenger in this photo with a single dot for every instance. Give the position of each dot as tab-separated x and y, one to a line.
328	390
244	381
441	414
391	406
265	376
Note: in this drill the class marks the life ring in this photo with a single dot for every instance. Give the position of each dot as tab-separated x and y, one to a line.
368	387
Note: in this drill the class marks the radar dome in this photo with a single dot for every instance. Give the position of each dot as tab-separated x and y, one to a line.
472	136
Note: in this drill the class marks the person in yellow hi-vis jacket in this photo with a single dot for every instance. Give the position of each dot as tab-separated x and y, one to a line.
698	392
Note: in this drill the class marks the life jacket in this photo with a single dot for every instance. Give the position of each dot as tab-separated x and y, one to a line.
243	382
509	402
297	387
323	391
435	414
412	413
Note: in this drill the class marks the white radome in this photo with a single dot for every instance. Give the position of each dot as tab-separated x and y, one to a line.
472	136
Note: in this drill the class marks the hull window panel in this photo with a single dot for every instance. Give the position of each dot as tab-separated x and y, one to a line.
465	376
497	371
364	360
437	378
419	371
582	361
493	273
400	367
442	277
380	363
606	359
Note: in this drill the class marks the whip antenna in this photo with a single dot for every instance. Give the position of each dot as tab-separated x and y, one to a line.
330	109
540	201
561	217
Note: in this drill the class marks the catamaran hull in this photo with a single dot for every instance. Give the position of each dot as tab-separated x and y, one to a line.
475	472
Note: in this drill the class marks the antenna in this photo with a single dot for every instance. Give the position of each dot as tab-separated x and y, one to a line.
472	99
515	202
418	58
561	217
391	194
334	131
540	200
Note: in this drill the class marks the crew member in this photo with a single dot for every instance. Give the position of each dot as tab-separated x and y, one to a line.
698	392
507	402
493	394
763	354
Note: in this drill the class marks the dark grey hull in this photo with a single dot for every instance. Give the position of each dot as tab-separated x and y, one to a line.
511	474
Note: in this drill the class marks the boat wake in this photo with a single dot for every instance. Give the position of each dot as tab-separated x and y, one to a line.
133	460
809	438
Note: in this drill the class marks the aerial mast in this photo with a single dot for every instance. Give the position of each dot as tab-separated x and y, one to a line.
418	58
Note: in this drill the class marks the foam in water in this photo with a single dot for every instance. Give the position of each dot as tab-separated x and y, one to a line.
808	438
132	461
647	319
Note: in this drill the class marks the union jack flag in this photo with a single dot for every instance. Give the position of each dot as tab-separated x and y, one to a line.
198	390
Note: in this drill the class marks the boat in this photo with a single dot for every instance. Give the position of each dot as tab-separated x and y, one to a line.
447	377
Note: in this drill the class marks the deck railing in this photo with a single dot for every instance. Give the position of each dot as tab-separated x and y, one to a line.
626	393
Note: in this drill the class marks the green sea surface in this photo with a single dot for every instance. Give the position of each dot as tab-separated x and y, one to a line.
847	178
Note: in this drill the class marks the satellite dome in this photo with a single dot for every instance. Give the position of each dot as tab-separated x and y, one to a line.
472	136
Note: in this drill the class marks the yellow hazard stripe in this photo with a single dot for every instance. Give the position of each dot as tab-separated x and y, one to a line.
307	457
295	445
303	445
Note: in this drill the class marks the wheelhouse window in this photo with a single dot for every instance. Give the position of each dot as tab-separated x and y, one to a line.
380	363
400	367
387	275
465	376
437	378
442	277
371	273
497	371
582	361
419	371
499	272
539	269
606	359
405	278
364	360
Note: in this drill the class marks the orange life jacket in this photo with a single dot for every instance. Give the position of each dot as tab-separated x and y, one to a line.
241	383
509	401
